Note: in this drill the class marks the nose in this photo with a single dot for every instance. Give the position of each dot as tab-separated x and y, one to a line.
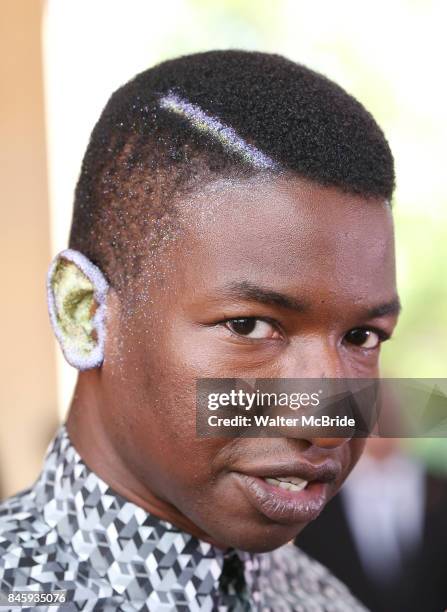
326	443
318	358
315	357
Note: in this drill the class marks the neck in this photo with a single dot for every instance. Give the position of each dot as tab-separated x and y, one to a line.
88	436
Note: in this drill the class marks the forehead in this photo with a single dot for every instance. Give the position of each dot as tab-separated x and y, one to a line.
289	232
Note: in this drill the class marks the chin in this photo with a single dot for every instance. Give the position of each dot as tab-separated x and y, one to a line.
263	539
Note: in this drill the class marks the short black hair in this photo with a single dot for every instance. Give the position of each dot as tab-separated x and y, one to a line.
208	115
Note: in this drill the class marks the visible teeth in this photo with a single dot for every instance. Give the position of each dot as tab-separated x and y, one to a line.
292	479
291	483
272	481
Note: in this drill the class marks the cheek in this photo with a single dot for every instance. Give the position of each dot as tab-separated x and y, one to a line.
356	447
362	366
352	451
160	417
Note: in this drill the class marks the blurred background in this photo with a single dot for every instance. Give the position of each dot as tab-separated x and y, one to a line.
60	61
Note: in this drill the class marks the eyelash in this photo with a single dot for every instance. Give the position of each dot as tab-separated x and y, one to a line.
268	320
383	335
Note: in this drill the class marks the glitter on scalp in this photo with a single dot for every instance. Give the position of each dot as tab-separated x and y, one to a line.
225	134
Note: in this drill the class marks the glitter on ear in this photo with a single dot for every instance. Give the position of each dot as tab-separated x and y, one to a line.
225	134
75	286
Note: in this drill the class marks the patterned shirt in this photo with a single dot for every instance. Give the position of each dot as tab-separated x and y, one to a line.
70	531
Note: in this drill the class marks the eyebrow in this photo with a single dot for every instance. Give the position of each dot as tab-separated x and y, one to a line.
247	290
387	308
250	291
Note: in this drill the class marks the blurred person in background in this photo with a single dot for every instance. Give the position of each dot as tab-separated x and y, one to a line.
385	534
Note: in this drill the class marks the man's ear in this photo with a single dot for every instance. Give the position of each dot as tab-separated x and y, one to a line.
77	292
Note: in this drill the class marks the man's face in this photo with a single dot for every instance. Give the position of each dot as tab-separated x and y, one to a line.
280	279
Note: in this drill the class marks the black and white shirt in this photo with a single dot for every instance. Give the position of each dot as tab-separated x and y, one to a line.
70	531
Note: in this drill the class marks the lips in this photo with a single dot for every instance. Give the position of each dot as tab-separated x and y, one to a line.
291	492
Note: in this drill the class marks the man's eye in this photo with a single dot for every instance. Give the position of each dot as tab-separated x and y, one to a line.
364	338
252	328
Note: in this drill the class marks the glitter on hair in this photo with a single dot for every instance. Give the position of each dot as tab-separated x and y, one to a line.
79	353
225	134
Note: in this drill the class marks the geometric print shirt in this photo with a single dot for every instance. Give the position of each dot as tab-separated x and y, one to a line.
71	532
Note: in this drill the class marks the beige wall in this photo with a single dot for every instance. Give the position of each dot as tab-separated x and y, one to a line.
27	363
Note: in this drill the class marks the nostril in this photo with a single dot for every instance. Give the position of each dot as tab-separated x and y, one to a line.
329	443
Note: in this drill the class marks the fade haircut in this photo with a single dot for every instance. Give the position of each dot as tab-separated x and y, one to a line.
214	115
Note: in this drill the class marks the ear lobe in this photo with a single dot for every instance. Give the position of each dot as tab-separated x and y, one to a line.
77	291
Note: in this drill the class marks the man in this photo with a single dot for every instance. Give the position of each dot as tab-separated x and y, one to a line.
232	219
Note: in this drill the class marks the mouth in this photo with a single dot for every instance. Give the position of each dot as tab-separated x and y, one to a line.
295	497
288	483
